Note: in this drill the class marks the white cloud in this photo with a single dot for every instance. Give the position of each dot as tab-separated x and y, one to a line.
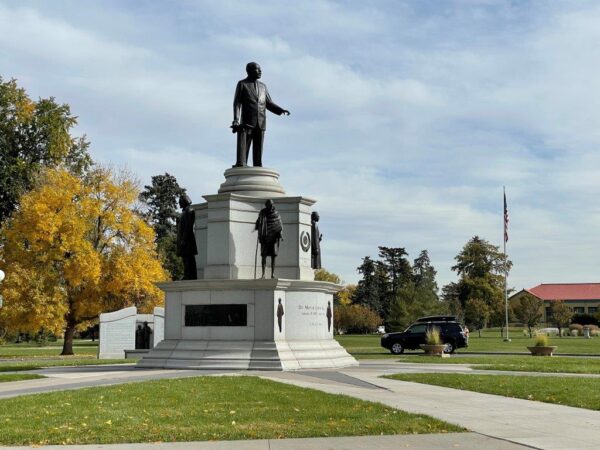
406	120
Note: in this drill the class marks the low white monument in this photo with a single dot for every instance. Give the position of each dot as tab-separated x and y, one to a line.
117	331
228	319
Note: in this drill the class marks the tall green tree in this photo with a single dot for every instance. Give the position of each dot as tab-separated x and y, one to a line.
367	292
417	296
396	289
561	315
450	300
529	310
426	288
161	201
477	313
481	268
396	266
34	135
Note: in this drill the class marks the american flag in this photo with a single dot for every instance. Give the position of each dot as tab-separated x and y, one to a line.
505	220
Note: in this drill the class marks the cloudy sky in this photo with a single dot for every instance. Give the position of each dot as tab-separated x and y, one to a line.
407	117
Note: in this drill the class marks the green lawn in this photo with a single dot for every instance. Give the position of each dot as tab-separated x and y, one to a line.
367	346
580	392
32	350
30	356
15	366
364	346
514	363
6	377
491	342
198	409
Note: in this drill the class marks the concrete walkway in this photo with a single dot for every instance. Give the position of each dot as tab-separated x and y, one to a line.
497	422
454	441
530	423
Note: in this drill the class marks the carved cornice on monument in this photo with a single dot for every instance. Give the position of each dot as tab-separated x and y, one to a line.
279	284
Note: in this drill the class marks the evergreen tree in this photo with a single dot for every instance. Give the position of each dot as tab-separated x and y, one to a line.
398	291
367	290
395	266
161	199
393	272
450	300
417	297
426	299
481	268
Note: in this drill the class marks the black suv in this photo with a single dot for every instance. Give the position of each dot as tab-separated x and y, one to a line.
452	333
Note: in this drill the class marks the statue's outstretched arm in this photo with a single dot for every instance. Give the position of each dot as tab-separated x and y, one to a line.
273	107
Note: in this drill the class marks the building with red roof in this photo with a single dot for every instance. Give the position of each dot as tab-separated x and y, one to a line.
583	298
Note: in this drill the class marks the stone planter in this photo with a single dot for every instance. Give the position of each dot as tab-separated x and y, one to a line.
434	350
542	351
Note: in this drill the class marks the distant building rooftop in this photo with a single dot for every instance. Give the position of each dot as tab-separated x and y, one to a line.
566	291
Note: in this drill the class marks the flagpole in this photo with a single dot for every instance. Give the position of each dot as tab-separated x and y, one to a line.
504	239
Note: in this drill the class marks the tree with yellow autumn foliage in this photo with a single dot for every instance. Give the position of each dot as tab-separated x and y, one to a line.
76	248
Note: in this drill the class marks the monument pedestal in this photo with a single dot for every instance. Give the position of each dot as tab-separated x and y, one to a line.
227	319
274	324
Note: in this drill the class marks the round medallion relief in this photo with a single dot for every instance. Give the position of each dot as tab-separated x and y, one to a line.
305	240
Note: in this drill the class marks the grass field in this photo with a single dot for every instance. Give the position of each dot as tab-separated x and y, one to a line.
367	346
580	392
32	350
16	366
30	356
7	377
198	409
514	363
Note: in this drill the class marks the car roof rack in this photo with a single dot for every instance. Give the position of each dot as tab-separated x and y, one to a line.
437	319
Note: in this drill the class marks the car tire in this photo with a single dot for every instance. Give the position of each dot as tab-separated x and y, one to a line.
397	348
449	347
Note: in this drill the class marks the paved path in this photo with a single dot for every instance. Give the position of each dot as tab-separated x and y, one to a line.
535	424
64	378
454	441
498	422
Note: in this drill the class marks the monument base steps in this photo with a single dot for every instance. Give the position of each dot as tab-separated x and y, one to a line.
243	355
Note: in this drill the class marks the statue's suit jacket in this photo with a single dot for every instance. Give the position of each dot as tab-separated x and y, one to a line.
249	106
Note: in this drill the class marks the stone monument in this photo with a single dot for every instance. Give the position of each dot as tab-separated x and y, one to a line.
228	318
118	335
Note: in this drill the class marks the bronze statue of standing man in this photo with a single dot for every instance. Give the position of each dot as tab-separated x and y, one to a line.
315	245
269	227
250	104
186	240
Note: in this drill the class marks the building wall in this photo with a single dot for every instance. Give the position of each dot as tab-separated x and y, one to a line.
579	306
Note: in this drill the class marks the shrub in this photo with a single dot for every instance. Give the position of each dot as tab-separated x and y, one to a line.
541	340
525	333
595	332
574	333
432	337
355	319
576	326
